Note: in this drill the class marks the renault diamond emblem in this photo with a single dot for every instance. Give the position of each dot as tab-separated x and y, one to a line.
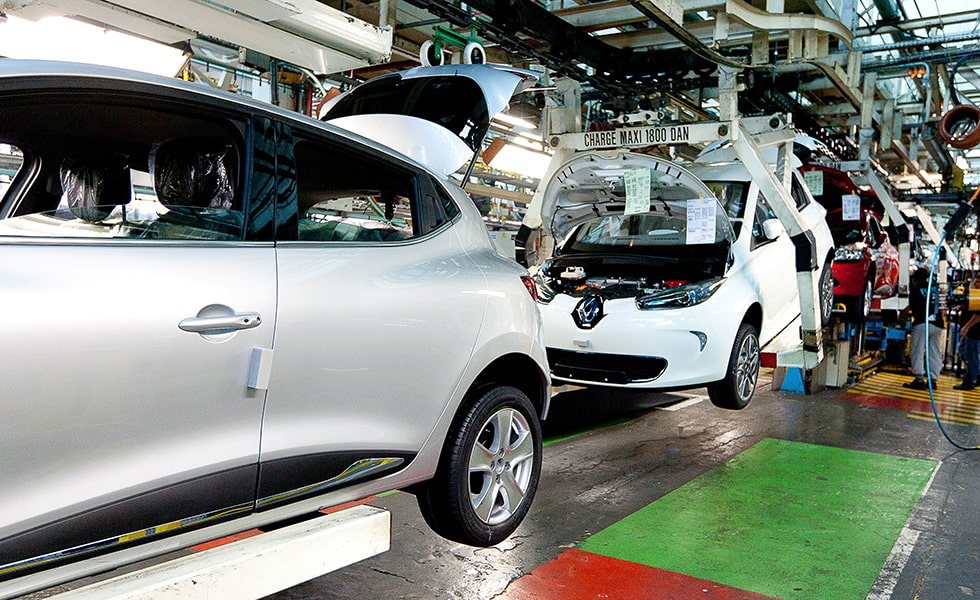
588	312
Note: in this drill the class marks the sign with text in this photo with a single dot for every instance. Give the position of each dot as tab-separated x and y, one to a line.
640	137
814	181
637	191
850	207
701	214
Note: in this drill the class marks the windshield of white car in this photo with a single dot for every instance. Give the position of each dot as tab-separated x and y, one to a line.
668	224
732	196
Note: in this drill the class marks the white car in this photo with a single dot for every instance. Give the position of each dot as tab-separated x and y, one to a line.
219	315
667	278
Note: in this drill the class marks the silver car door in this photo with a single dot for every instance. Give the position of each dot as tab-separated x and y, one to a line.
129	327
379	310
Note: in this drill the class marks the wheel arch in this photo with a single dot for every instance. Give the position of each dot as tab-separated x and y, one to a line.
520	371
753	316
829	259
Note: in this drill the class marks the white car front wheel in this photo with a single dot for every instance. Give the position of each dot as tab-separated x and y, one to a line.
736	389
826	294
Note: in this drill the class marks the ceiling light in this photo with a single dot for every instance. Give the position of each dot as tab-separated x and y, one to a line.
521	161
514	121
61	38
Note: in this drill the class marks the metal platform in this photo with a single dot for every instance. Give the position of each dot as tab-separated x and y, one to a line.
254	567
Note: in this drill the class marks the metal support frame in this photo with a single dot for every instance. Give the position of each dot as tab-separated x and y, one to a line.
252	567
925	219
812	29
861	172
750	136
775	187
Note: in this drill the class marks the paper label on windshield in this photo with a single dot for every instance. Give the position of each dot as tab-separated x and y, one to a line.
637	191
701	220
850	207
814	181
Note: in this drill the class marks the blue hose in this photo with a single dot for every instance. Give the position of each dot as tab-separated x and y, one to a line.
932	396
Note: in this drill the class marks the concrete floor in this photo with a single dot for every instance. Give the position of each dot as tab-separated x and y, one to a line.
652	444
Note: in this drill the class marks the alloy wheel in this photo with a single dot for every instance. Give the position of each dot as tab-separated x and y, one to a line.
501	466
747	367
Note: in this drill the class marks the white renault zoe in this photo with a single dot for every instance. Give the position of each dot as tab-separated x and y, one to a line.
666	277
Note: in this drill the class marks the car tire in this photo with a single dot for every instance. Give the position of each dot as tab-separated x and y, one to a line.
862	305
826	293
489	469
736	389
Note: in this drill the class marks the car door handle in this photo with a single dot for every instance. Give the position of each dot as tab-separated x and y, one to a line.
219	324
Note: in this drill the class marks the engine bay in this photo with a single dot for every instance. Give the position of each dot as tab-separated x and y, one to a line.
622	276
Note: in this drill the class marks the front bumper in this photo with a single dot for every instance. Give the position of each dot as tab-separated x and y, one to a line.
643	349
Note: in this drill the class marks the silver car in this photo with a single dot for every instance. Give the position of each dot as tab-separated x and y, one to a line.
216	311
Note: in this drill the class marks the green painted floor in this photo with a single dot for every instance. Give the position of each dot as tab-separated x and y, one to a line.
785	519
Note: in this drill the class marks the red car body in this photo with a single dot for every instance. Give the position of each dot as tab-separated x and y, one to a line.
866	263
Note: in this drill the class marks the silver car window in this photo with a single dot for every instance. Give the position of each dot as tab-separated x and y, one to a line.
344	195
108	170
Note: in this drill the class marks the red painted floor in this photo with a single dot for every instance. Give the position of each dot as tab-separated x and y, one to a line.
579	575
885	390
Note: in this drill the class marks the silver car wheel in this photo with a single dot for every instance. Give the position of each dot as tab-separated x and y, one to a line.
866	299
747	368
501	466
489	470
826	294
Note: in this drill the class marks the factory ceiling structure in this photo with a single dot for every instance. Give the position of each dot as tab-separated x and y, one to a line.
835	65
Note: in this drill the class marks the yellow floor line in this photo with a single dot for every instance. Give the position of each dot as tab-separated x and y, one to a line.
958	406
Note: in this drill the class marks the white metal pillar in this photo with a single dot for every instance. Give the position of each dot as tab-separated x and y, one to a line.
777	193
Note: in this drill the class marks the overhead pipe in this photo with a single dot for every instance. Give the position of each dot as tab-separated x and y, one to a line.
921	42
892	12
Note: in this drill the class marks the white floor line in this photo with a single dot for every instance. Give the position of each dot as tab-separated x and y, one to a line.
888	576
683	403
884	585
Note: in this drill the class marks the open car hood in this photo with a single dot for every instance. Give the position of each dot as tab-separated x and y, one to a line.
595	185
435	115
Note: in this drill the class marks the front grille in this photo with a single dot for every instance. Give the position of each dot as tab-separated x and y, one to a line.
604	368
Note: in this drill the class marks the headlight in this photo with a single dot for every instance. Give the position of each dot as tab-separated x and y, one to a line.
849	254
680	296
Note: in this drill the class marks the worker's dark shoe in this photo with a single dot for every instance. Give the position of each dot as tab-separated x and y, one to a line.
964	386
917	384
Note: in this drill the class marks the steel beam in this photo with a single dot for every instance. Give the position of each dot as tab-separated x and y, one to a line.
778	196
